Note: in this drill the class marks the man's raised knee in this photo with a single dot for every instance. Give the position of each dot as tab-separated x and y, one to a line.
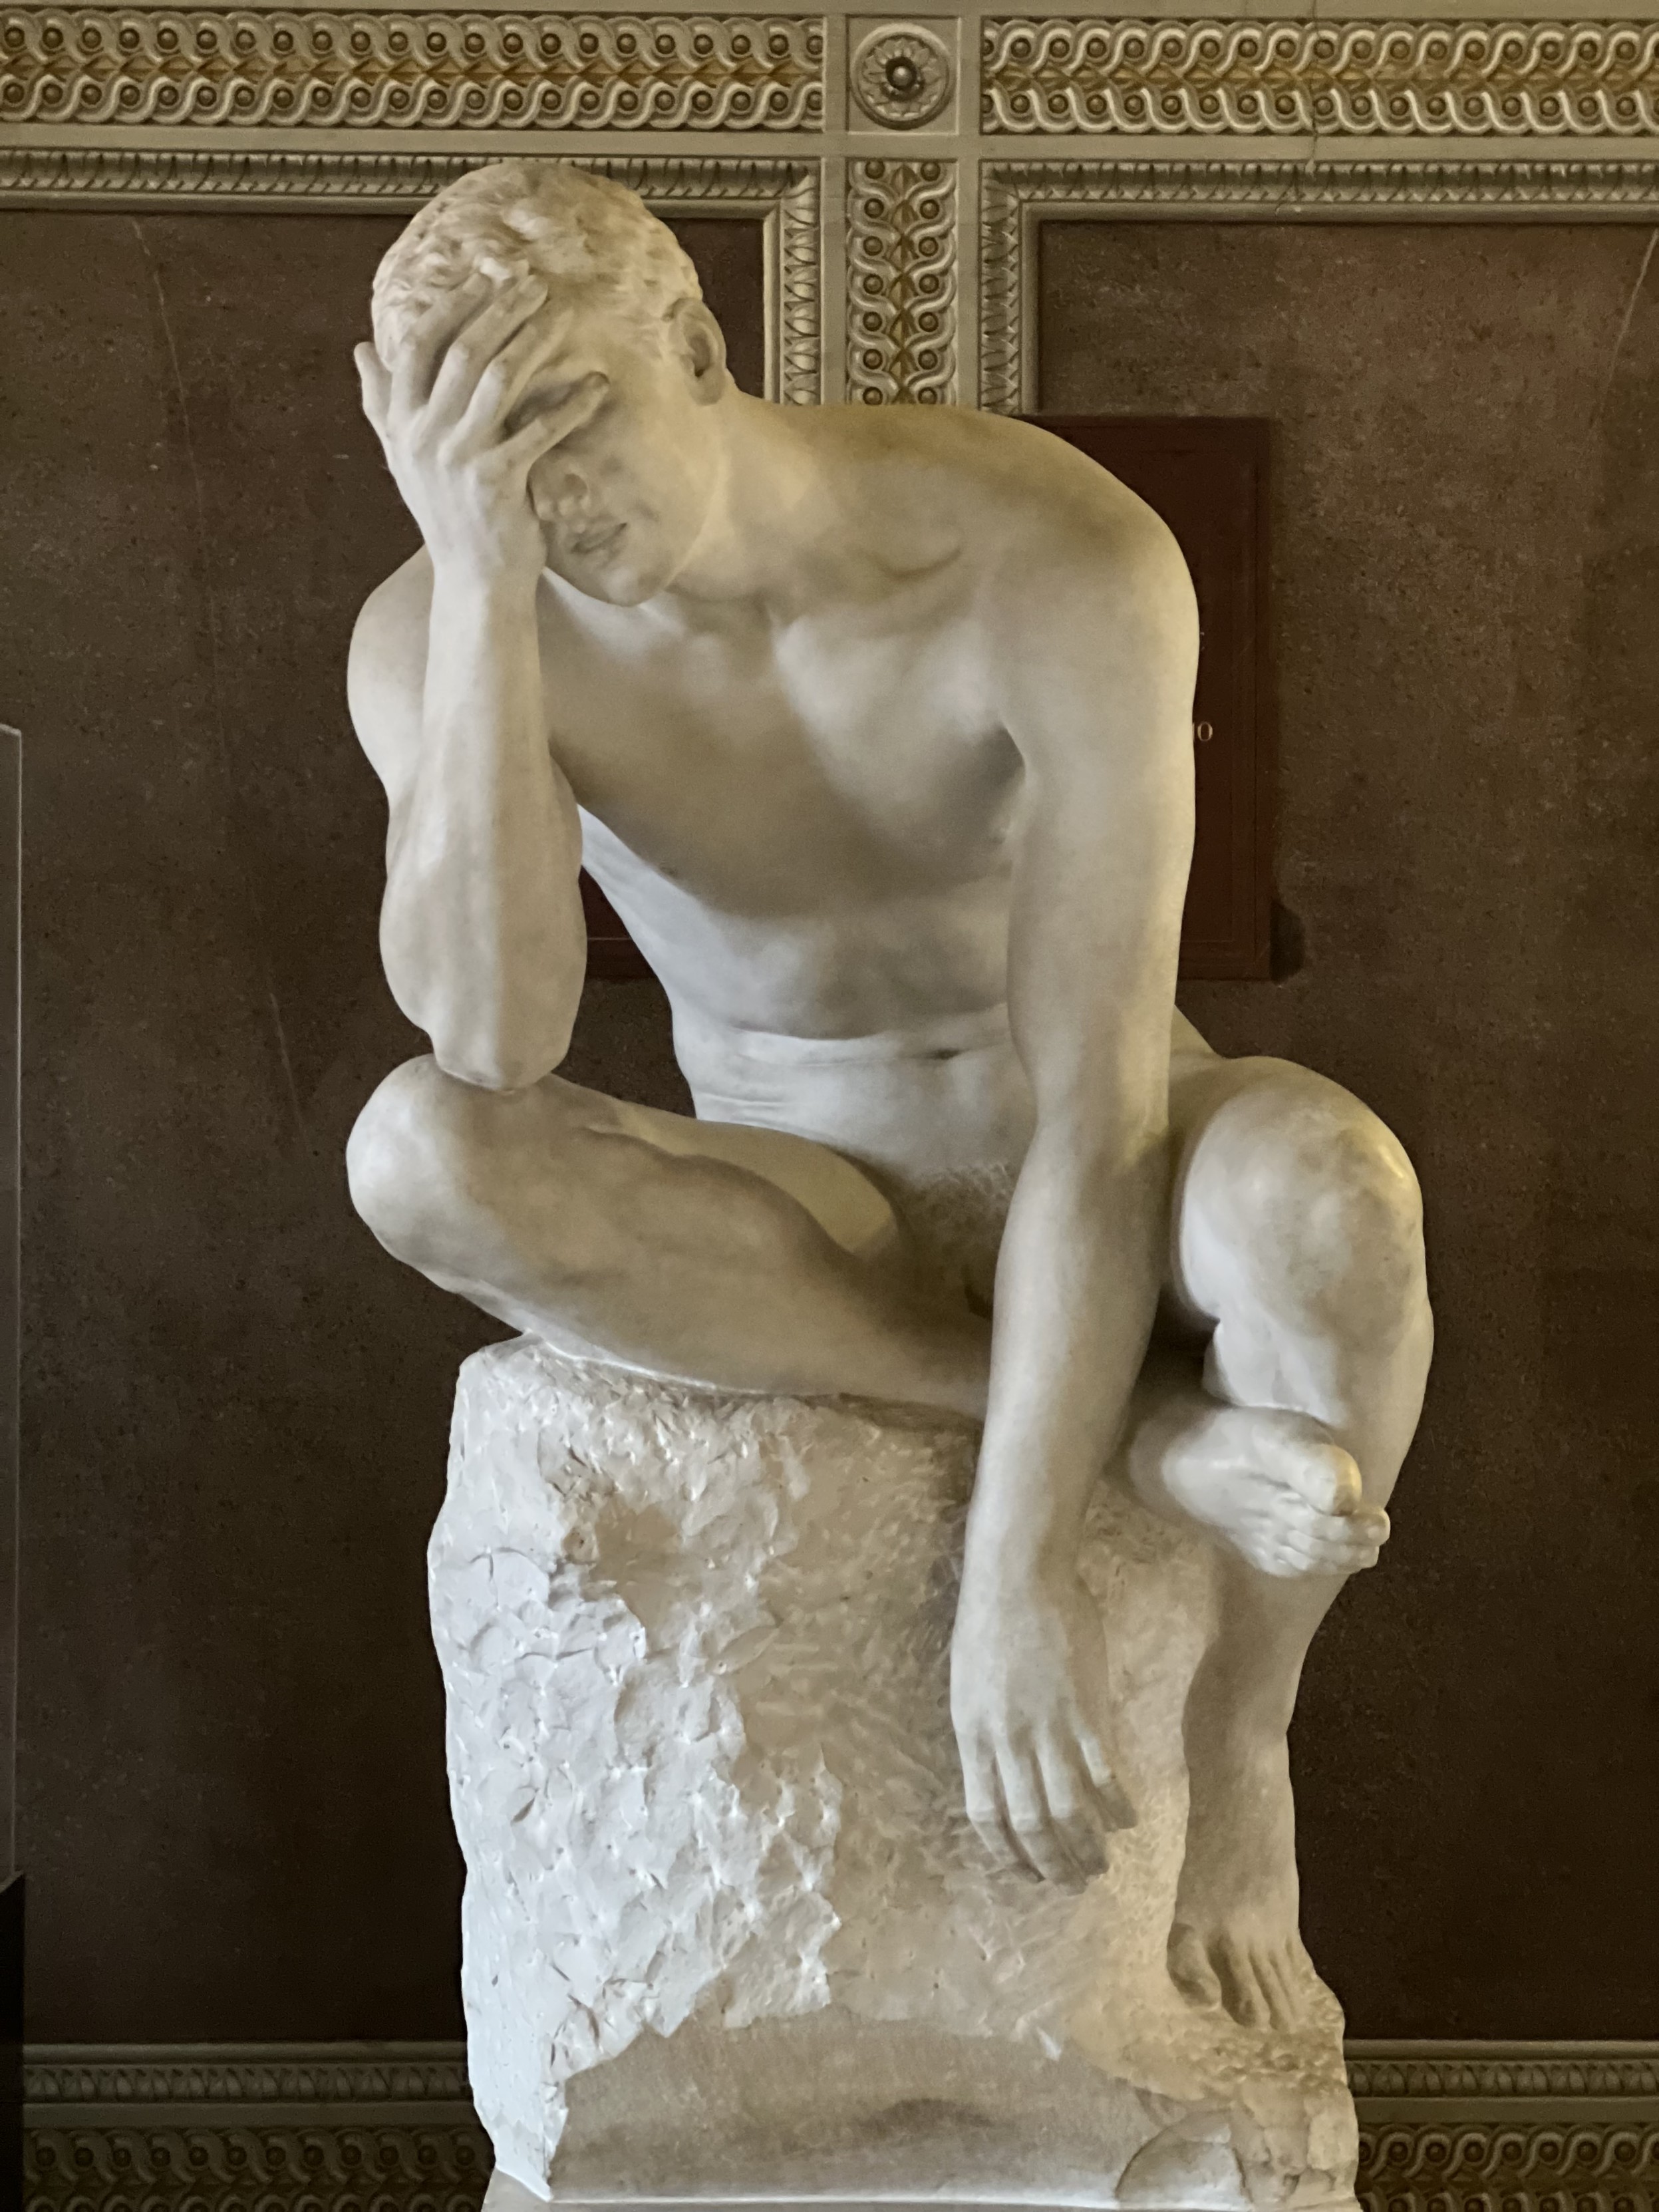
1350	1211
411	1158
1324	1205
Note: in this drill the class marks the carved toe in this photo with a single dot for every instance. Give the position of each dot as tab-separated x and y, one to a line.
1189	1966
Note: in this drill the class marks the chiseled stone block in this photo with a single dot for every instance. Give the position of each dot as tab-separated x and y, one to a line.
727	1930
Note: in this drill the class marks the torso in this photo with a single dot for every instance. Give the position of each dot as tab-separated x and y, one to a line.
807	831
810	830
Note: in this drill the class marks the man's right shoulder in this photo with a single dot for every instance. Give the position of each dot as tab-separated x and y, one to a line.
394	616
385	670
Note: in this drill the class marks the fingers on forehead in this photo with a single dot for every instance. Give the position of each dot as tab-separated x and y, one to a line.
448	311
481	298
537	340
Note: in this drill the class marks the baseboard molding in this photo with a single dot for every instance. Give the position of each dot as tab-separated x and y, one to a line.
388	2127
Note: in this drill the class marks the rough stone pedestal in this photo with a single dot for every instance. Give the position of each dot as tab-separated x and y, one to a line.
728	1936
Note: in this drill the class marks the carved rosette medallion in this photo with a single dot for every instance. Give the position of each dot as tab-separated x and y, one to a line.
901	75
902	282
332	68
1432	79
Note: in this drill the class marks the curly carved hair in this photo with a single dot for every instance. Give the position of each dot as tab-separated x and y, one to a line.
586	235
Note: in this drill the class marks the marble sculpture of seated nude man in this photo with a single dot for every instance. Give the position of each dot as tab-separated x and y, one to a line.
875	727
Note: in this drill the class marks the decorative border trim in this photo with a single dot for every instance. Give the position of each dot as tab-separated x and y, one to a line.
128	2076
784	194
1529	2127
332	2127
1447	2167
901	282
1016	198
224	2167
333	108
1486	2072
1063	74
330	68
124	2076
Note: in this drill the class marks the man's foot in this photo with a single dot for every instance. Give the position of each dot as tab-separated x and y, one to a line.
1277	1486
1234	1941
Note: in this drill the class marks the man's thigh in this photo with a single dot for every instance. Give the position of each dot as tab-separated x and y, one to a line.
841	1199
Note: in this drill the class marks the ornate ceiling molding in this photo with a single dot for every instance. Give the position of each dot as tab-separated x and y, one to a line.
361	68
907	122
1063	75
901	282
1017	197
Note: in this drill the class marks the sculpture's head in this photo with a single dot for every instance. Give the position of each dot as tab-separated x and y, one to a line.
622	499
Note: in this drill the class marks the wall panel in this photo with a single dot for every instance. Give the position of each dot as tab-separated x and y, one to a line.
1466	536
234	1406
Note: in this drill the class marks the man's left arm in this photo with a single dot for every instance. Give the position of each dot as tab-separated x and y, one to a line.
1098	661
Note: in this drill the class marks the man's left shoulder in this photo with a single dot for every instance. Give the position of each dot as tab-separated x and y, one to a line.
1044	530
1077	578
1051	518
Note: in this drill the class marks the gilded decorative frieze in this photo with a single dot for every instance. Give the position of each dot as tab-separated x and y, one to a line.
226	2167
1066	76
1596	2166
901	282
362	69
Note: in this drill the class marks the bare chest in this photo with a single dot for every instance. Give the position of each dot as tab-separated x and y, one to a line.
770	771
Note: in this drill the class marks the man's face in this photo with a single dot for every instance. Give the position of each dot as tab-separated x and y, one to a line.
622	499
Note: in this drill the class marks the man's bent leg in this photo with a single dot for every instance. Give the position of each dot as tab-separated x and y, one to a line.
1297	1231
740	1258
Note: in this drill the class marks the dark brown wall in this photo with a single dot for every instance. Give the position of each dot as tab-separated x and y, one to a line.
1465	522
236	1406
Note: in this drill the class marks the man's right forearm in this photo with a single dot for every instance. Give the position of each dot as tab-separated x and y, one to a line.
482	930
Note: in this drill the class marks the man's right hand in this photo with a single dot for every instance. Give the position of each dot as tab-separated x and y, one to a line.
441	408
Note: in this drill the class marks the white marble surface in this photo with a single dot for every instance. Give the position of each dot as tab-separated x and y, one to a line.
828	1803
696	1652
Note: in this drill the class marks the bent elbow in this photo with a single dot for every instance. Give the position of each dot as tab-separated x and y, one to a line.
485	1072
499	1063
494	1039
494	1049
